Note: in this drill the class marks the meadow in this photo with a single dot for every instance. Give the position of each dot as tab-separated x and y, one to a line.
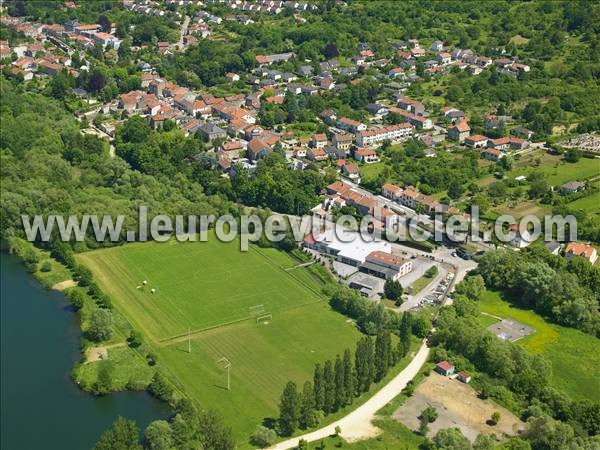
575	356
209	287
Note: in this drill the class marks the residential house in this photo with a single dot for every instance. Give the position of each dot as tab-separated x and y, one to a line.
396	72
351	171
232	77
493	122
354	126
328	115
375	136
258	149
319	140
518	143
437	46
233	149
263	60
412	106
377	110
408	197
306	71
444	58
343	141
366	155
522	132
459	131
492	154
391	191
475	141
334	152
572	187
521	236
316	154
502	143
210	131
288	77
106	40
582	250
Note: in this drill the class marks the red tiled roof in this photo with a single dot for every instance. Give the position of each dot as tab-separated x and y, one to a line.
445	365
580	249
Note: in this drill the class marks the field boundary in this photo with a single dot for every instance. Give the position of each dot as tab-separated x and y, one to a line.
289	273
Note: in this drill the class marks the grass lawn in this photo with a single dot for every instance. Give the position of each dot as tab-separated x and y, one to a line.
522	208
206	284
371	171
589	203
420	284
198	284
556	170
575	356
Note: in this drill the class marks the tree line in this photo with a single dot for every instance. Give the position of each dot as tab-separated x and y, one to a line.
186	428
337	382
568	292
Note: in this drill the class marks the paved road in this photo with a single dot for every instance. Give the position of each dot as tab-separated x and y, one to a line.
184	27
357	425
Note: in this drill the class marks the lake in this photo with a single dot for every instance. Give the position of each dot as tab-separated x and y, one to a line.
41	407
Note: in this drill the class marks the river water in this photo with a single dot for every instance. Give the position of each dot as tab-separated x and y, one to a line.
41	407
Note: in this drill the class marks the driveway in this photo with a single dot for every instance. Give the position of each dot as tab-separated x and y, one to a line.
357	425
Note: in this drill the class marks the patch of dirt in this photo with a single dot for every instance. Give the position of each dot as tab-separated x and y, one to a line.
100	353
458	406
94	354
64	285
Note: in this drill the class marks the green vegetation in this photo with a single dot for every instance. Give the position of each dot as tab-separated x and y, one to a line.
420	284
566	292
301	331
198	285
574	356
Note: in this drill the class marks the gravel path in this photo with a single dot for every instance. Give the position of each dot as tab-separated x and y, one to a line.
357	425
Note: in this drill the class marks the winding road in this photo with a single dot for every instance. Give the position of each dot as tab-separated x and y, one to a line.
357	424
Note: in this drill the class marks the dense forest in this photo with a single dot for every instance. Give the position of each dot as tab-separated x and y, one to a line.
49	167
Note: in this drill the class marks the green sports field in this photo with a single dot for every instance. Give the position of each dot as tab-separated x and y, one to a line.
209	287
198	285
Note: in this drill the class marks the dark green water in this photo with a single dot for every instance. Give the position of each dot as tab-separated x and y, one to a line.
41	408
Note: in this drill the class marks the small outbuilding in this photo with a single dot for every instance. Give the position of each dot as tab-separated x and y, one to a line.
444	368
464	377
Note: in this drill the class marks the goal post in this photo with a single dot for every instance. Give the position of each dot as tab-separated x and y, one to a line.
264	318
256	310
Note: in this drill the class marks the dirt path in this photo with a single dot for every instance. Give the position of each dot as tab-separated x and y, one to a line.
64	285
100	353
491	315
298	266
357	425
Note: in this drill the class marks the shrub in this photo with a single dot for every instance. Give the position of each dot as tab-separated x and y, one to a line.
263	437
77	298
46	266
100	328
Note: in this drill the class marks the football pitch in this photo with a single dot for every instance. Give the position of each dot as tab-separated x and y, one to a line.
215	290
197	285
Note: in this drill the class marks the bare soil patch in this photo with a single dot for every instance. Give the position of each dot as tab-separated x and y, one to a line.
64	285
458	406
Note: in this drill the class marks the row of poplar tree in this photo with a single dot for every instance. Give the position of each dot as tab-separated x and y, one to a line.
336	383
